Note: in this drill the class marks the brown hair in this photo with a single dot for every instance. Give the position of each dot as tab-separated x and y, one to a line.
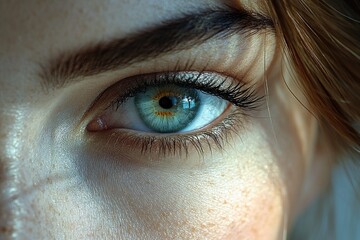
322	39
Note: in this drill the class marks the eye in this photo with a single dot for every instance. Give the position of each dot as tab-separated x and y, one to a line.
169	106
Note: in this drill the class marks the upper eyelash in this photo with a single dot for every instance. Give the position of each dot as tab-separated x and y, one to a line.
239	94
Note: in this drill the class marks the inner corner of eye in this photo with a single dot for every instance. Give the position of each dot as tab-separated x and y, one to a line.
97	124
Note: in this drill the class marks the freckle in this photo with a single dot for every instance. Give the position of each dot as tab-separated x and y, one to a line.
225	202
49	180
192	210
208	225
212	183
212	225
129	228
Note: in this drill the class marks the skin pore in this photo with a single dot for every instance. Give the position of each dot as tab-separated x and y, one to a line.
62	181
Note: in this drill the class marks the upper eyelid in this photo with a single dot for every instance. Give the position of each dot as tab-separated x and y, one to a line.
237	92
178	63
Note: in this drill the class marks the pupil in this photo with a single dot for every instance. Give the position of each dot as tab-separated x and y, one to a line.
167	102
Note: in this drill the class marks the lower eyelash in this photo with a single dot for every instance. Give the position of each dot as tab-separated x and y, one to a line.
218	136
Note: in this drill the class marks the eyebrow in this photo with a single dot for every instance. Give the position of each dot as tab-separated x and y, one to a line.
173	35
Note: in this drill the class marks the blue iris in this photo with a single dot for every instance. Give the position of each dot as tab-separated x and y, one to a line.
167	108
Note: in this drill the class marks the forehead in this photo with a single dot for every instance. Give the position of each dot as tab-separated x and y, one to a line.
32	31
38	23
34	23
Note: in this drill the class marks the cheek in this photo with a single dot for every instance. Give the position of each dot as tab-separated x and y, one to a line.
85	193
260	218
235	194
226	196
208	211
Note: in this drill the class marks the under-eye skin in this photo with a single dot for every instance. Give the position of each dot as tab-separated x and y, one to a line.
171	111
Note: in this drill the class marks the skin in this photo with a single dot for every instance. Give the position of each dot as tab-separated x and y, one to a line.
60	181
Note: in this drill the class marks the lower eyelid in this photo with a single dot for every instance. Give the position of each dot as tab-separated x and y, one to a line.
216	136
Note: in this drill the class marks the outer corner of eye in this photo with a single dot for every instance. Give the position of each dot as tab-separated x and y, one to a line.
97	124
